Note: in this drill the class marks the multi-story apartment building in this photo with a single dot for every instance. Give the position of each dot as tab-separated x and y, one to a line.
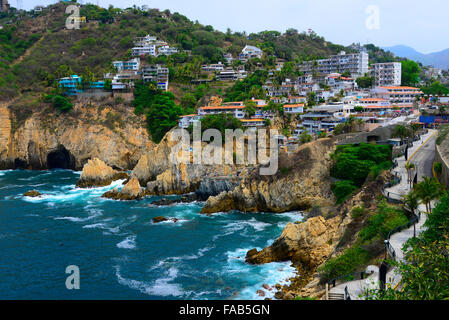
145	50
387	74
355	63
157	74
398	95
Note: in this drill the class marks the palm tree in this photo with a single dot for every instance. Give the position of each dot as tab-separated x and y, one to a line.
409	167
401	132
427	190
411	201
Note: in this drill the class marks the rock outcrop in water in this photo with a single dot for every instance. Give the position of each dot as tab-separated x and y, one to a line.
302	182
131	191
96	173
32	194
35	136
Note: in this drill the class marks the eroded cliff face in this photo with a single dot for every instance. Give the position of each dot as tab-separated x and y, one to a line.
47	139
302	182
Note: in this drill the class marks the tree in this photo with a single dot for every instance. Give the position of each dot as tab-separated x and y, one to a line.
410	73
305	137
365	82
428	190
410	168
250	108
401	132
411	201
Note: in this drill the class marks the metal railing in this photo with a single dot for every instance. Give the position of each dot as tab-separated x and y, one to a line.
412	222
358	275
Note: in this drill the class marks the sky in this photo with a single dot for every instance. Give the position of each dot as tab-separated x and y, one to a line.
418	24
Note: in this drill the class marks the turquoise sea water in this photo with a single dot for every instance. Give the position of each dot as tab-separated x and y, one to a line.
121	254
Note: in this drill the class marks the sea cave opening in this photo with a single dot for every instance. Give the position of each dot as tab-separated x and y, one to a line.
60	159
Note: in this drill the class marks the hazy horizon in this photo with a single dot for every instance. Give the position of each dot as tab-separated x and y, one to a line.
339	21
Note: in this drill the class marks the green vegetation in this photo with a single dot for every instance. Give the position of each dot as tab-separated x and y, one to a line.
428	190
369	243
365	82
435	88
425	273
410	73
159	107
355	162
342	190
221	122
59	102
250	87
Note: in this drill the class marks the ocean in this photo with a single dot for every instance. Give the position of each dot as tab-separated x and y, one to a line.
120	252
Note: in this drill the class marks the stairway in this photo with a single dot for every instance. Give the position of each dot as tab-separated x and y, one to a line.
336	296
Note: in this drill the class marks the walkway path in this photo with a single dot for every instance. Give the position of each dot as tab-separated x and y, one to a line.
421	154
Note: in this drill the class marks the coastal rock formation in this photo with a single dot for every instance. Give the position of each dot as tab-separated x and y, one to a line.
213	186
96	173
154	162
307	243
301	182
32	193
36	136
163	219
131	191
185	178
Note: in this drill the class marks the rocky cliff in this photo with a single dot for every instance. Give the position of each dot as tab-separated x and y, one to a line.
311	243
35	136
301	182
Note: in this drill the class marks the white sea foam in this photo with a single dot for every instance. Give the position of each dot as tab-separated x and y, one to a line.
160	287
271	273
128	243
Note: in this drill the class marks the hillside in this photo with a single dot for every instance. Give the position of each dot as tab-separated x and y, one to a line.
437	59
35	45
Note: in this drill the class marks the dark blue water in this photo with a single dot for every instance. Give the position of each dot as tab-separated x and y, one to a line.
121	254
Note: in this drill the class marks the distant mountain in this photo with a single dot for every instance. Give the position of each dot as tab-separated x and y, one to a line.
436	59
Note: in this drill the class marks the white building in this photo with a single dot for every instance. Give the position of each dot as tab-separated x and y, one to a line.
187	120
166	50
213	67
354	63
294	108
133	64
250	52
146	50
387	74
398	95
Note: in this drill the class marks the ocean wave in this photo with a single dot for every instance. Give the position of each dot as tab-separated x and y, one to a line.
160	287
128	243
92	213
74	193
270	273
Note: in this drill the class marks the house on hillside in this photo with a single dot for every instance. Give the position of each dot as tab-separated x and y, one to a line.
250	52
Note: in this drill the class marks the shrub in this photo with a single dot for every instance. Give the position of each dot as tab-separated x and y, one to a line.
61	103
346	263
342	189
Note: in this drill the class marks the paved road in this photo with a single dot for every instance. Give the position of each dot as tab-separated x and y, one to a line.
424	159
